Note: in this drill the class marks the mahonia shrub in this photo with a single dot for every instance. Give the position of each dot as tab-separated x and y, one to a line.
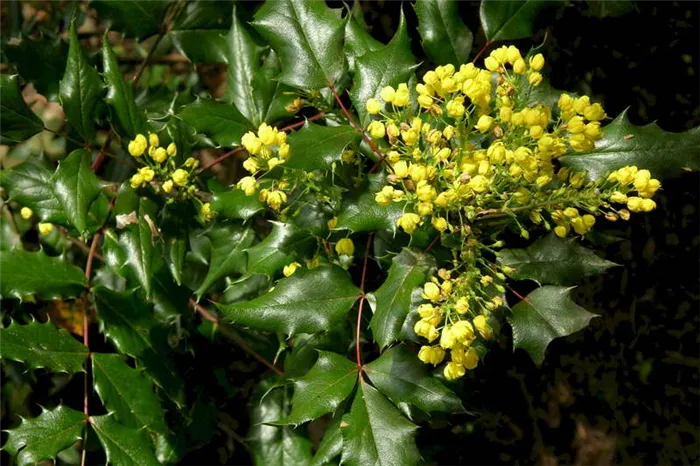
358	163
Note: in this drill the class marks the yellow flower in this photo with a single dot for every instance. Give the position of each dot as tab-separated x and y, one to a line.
408	222
425	329
248	184
275	199
289	269
534	78
594	112
251	143
479	184
463	332
172	149
402	97
462	305
45	228
618	197
387	94
560	231
439	223
376	129
431	292
159	155
425	192
295	106
483	327
471	359
454	371
168	186
267	134
136	180
26	213
455	109
566	102
448	339
484	123
400	169
206	212
519	67
138	146
153	140
147	173
647	205
491	64
373	106
180	177
431	355
345	247
537	62
284	151
251	165
425	101
273	162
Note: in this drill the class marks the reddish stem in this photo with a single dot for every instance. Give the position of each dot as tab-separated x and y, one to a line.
358	354
432	243
483	49
101	155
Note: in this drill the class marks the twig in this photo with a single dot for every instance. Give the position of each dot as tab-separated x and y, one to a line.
89	147
358	353
483	49
101	155
138	74
433	243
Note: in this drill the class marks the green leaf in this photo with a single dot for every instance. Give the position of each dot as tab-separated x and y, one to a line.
44	436
235	204
220	121
402	377
331	445
316	147
17	121
306	348
39	61
128	322
361	213
123	446
554	261
664	154
134	18
322	389
137	243
358	41
389	66
611	8
80	90
306	302
281	247
446	39
42	346
176	250
228	257
375	432
271	96
124	391
272	445
205	15
545	314
509	19
127	117
29	184
75	186
201	46
391	303
25	273
308	38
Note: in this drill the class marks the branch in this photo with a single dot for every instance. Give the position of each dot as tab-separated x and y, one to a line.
358	353
482	50
91	148
138	74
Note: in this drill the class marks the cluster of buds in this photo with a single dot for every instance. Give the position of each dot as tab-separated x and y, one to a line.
44	228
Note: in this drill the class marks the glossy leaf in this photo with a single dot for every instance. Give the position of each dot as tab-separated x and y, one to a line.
509	19
134	18
322	389
127	393
42	346
42	437
360	212
80	90
278	249
202	46
123	445
29	184
311	46
26	273
17	121
401	376
220	121
176	250
306	302
375	432
307	347
75	186
392	301
331	445
271	96
235	204
446	39
137	243
316	147
358	41
545	314
39	61
664	154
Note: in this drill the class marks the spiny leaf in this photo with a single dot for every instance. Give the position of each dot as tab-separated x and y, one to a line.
360	212
25	273
545	314
271	96
311	47
42	437
29	184
306	302
282	246
218	120
664	154
235	204
316	147
322	389
358	41
40	61
201	46
137	244
17	122
42	346
331	445
306	348
509	19
135	18
123	445
446	39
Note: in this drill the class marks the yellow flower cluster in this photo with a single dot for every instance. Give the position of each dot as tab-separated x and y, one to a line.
631	179
267	149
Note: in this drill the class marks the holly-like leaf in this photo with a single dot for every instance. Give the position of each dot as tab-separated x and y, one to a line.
136	242
123	445
42	437
127	393
554	261
26	273
322	389
75	186
509	19
218	120
389	66
202	46
306	348
272	444
402	377
125	115
307	302
446	39
235	204
17	122
311	46
360	212
42	346
375	432
39	61
664	154
80	90
271	96
331	445
228	257
316	147
392	301
29	184
545	314
134	18
358	41
282	246
176	250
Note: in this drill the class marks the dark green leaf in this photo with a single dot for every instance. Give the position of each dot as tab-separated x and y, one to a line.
389	66
402	377
201	46
29	184
126	393
123	446
134	18
392	301
271	96
316	147
39	61
75	186
17	121
509	19
44	436
664	154
331	445
25	273
446	39
360	212
308	38
176	249
136	240
306	302
322	389
545	314
306	348
236	205
80	90
374	432
42	346
281	247
205	15
218	120
358	41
